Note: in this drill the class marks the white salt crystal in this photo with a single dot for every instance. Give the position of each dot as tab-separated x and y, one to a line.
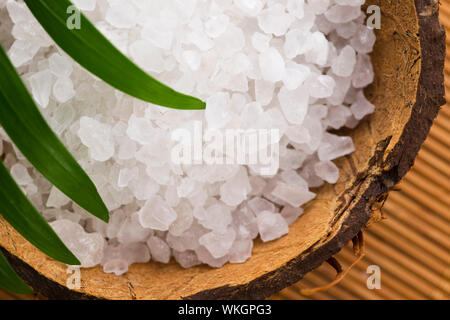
361	107
192	59
291	214
18	12
22	51
258	205
231	41
344	64
241	250
363	74
218	244
87	247
235	190
364	39
63	89
186	259
41	87
205	257
317	48
271	226
217	218
321	86
217	112
342	14
159	249
158	34
327	171
216	25
272	65
292	194
21	175
295	76
335	147
97	137
122	15
60	65
131	230
157	214
57	199
294	104
261	41
185	218
86	5
126	175
319	6
275	20
147	56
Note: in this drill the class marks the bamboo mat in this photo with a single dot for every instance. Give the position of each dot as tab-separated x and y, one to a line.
412	246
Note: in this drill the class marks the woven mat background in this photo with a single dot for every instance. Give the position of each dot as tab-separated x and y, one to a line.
412	246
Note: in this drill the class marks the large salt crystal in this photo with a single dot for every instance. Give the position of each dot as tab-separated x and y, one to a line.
86	5
344	64
327	171
97	137
57	199
22	51
258	205
235	190
147	56
363	74
292	194
218	244
60	65
217	112
271	226
275	20
159	249
291	214
241	250
361	107
335	147
185	218
122	14
294	104
231	41
158	33
157	214
21	175
321	86
264	91
41	87
132	231
186	259
206	257
87	247
342	14
364	39
63	89
216	25
217	217
317	48
261	42
272	65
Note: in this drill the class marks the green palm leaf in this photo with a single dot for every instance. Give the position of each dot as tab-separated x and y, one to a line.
9	280
22	216
26	127
94	52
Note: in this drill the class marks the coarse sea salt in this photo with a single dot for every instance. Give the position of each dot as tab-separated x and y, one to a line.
299	66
